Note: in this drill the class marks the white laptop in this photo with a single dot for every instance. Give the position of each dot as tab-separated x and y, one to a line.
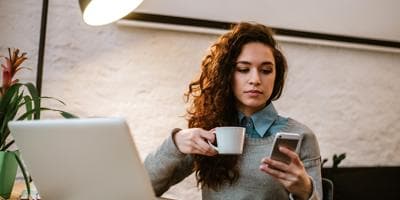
79	159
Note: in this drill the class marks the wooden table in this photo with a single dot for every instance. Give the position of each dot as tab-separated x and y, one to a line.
19	186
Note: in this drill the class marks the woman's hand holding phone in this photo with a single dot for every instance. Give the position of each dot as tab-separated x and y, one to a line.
286	167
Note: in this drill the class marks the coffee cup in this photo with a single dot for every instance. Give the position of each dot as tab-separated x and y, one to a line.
229	139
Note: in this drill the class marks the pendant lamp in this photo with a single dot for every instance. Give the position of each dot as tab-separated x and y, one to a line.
101	12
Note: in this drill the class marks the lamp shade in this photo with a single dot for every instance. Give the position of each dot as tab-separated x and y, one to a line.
100	12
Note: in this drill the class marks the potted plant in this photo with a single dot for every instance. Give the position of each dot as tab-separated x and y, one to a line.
18	101
362	182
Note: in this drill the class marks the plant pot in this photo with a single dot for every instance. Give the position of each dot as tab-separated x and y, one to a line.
8	172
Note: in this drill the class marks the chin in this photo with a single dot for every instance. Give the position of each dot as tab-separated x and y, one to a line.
255	105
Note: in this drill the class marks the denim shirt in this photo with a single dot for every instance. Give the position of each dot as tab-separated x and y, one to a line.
266	122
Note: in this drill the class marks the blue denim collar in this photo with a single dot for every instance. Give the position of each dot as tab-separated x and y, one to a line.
263	119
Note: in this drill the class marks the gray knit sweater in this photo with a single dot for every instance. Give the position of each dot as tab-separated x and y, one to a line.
168	166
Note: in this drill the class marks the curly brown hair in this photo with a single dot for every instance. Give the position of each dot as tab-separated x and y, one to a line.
212	102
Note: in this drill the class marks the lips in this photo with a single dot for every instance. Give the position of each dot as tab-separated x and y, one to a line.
253	91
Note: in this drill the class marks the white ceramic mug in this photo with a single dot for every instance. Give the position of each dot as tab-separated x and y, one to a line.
229	139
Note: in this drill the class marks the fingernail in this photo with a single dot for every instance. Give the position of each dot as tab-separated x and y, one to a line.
263	166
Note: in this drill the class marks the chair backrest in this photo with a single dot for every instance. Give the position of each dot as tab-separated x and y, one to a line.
327	189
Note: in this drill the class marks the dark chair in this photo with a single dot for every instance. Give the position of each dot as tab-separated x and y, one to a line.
327	189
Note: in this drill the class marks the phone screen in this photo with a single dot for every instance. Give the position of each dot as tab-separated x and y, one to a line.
285	142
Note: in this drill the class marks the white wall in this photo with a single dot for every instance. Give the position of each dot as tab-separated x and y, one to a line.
350	98
359	18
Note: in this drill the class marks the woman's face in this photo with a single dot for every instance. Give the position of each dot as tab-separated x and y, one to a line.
253	78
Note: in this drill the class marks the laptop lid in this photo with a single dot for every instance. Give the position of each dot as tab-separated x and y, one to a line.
76	159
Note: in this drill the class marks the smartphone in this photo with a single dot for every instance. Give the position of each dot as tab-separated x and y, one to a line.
291	141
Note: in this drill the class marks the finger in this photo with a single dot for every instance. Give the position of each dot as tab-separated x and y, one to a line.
211	152
196	149
205	153
208	135
288	152
205	147
273	172
292	154
281	176
278	165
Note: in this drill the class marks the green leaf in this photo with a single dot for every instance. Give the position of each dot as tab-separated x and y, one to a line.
53	99
12	109
28	105
36	99
8	109
7	145
14	99
337	160
68	115
23	170
5	101
26	114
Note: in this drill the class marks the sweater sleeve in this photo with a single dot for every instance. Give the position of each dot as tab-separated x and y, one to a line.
167	166
310	155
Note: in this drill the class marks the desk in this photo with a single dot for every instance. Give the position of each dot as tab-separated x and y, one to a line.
19	187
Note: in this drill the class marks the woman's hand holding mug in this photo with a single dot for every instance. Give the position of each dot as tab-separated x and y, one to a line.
194	141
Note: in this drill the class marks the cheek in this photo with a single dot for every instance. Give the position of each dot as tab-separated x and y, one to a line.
269	85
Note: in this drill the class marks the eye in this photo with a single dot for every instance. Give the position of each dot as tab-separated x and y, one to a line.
242	69
266	70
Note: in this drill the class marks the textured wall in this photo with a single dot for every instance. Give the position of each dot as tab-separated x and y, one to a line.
350	98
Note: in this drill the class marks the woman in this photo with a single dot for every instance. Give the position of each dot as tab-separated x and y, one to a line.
240	77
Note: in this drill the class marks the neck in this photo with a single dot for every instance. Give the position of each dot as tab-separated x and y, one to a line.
250	111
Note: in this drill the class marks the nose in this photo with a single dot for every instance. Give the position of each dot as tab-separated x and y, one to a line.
254	78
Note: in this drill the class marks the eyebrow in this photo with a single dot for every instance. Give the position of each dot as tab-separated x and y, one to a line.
248	63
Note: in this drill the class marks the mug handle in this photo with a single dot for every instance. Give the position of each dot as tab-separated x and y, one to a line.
214	147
